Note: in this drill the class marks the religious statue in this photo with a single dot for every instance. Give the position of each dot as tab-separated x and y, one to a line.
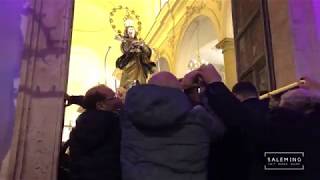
135	62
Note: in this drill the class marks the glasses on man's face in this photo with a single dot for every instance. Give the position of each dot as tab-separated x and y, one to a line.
111	98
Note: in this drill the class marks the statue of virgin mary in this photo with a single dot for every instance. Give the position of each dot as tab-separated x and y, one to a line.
135	61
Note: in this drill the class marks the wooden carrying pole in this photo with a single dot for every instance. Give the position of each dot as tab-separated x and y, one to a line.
282	89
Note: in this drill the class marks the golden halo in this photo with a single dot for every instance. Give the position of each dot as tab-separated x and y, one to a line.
129	14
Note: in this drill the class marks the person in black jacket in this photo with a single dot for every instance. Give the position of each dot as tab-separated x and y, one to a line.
232	151
95	141
247	93
282	130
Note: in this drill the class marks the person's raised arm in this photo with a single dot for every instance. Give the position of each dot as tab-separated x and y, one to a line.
222	101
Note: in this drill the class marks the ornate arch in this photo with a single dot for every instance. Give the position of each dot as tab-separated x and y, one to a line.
196	11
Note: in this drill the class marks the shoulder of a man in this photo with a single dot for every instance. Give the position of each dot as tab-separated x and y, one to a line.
208	120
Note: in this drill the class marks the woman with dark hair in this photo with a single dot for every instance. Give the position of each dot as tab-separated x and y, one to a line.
135	62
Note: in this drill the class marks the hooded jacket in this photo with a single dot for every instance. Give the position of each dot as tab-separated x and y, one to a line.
163	136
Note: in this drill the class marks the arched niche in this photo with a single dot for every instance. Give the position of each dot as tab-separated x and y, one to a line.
163	65
201	35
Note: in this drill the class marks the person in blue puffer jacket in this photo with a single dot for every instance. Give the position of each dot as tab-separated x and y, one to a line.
165	137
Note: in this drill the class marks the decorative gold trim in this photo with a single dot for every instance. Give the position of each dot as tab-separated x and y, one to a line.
226	44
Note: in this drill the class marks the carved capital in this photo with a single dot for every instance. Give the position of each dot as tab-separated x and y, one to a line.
226	44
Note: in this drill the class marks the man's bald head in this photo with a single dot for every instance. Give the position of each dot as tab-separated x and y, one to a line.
165	79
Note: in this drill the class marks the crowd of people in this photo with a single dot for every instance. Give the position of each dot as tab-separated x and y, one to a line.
192	128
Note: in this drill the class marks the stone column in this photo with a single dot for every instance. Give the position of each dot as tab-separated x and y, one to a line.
40	106
10	55
295	29
227	46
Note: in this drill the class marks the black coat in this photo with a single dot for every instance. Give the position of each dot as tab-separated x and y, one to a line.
280	130
232	150
260	108
95	146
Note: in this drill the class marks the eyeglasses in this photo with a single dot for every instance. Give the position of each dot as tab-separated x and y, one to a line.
111	98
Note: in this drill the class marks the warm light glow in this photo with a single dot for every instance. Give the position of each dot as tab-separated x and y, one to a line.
86	70
91	37
194	64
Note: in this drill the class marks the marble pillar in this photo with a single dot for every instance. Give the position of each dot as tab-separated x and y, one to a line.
230	65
